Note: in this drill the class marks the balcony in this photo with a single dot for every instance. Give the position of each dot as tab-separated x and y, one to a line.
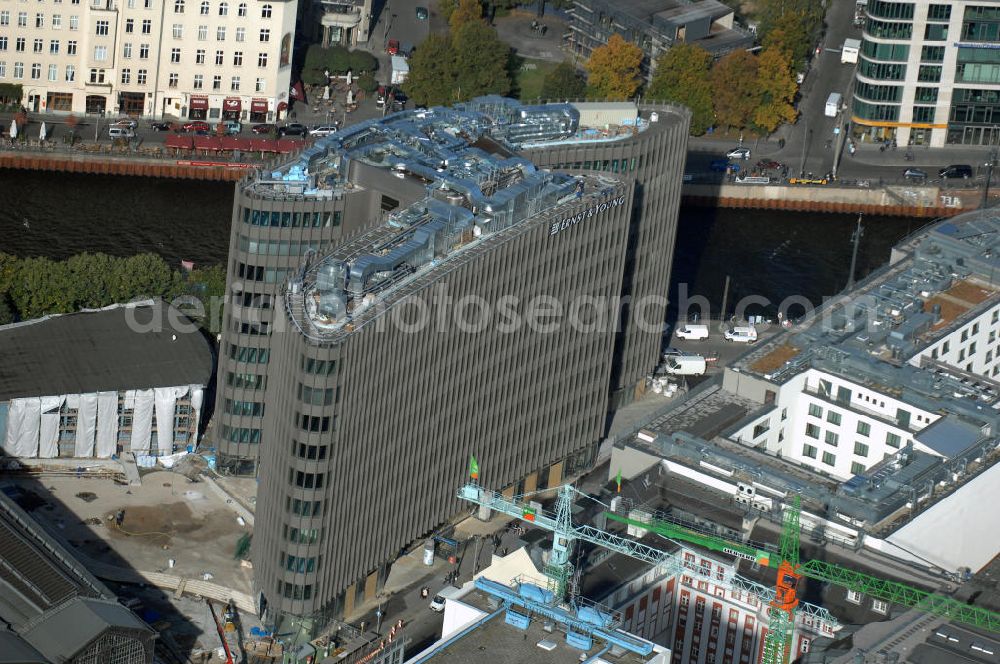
103	5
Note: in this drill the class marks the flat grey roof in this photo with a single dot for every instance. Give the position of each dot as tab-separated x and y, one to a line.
13	650
96	351
949	436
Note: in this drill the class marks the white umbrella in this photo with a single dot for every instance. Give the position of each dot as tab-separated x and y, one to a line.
41	132
13	128
350	96
350	78
326	93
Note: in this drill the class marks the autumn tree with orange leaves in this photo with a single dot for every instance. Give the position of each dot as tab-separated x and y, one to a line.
613	70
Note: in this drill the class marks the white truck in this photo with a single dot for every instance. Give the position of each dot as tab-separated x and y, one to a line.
685	365
833	104
849	53
400	70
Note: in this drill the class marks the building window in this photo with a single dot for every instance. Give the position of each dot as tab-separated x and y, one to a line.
306	508
223	9
219	56
892	440
829	459
102	28
22	20
199	81
815	410
314	423
809	451
245	408
178	31
234	84
5	17
864	428
938	12
147	26
316	396
265	35
18	70
242	11
318	367
857	468
300	564
220	33
36	71
70	73
175	55
96	75
202	32
3	69
172	80
143	51
861	449
140	77
127	50
217	82
265	11
199	56
238	59
812	431
3	43
879	606
305	480
126	76
74	22
204	8
19	44
833	417
178	6
262	59
309	452
53	72
39	44
56	21
241	34
39	20
854	597
832	438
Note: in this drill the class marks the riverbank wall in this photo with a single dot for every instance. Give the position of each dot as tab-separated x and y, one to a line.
185	169
890	200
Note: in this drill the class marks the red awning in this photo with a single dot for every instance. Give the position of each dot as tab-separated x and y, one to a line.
288	145
230	143
264	145
198	103
258	106
282	106
207	143
232	104
176	141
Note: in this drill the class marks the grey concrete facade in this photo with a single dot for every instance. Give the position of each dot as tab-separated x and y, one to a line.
364	433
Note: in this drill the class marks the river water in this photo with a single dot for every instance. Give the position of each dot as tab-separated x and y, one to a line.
766	253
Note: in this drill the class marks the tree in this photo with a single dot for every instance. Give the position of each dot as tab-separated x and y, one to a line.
563	82
446	8
683	76
361	62
6	312
483	59
776	84
466	11
797	21
432	72
734	79
613	69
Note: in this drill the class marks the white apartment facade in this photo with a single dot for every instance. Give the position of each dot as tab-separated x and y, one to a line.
185	59
972	347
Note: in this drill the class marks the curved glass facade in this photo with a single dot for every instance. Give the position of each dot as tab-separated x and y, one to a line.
890	10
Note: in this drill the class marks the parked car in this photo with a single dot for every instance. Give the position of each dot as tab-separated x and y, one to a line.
231	127
956	171
196	125
915	174
745	335
323	130
421	13
739	153
125	122
393	47
719	165
768	165
293	129
437	603
263	129
120	131
162	126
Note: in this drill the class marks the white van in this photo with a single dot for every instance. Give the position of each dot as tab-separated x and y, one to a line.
745	335
117	131
833	104
693	332
685	365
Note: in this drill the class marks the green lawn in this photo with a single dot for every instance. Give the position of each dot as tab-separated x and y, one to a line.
528	83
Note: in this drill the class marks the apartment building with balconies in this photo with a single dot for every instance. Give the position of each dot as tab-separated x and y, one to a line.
198	59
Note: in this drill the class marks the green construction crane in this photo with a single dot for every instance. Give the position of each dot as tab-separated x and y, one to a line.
777	643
